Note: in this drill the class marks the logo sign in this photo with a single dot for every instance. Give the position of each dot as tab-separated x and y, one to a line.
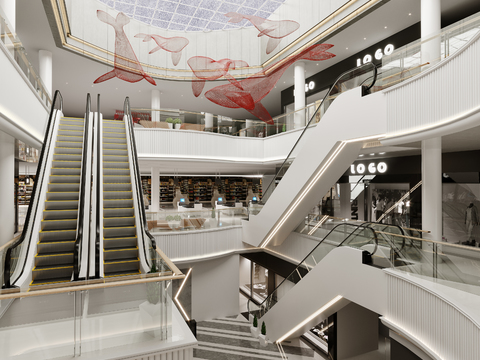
378	55
371	168
308	87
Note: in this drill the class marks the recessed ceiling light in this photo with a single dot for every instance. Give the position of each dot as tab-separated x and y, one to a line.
372	154
385	27
361	155
364	38
409	14
318	64
347	48
382	153
139	90
66	83
116	88
284	82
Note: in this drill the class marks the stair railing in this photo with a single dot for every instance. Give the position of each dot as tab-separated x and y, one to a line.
81	194
13	252
98	192
139	191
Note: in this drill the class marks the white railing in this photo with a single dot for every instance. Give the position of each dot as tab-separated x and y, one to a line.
431	315
443	93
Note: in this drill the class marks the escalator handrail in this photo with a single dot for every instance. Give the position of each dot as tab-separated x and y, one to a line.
29	218
313	117
98	188
81	194
136	169
356	227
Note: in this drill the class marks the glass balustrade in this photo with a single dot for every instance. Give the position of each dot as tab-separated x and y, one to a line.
15	50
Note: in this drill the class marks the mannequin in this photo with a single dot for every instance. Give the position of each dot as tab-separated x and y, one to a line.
471	220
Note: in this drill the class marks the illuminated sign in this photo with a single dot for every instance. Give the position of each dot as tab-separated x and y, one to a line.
378	55
308	87
372	168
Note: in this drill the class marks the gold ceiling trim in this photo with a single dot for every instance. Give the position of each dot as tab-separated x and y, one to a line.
61	19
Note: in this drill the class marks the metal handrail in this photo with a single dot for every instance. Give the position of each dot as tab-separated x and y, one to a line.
29	217
81	205
136	169
98	192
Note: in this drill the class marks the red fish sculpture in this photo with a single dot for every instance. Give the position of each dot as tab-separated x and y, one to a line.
206	68
248	93
275	30
127	67
174	45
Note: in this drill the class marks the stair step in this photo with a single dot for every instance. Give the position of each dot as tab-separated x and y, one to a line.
114	131
63	187
120	254
118	221
117	266
117	186
62	204
60	214
118	203
117	194
49	272
68	164
56	179
75	144
70	138
117	212
70	132
57	235
114	123
115	172
68	150
72	126
63	195
107	152
112	232
114	146
66	171
63	224
115	158
116	179
67	157
55	246
119	242
114	140
54	259
115	165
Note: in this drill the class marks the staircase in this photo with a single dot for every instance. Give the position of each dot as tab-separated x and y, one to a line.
55	248
120	249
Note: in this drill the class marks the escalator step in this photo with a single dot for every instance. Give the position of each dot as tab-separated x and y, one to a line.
57	235
117	194
121	273
127	186
60	214
50	281
65	179
63	187
53	246
121	242
68	150
59	224
65	171
118	212
117	203
118	221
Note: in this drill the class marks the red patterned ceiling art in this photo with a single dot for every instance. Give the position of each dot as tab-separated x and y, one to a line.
275	30
206	68
248	93
174	45
127	67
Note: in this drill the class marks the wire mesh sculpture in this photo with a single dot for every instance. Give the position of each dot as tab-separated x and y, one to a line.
275	30
126	65
205	68
174	45
249	92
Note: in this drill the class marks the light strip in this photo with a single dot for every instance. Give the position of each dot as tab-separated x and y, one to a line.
399	201
320	223
311	317
303	194
178	293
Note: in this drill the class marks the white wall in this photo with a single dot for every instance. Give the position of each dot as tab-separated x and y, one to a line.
245	271
7	189
22	113
215	286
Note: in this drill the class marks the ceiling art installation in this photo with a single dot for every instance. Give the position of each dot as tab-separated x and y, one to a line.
127	67
175	45
275	30
206	68
248	93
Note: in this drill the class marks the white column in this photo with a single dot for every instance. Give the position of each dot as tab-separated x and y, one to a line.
345	206
46	65
7	188
156	105
155	189
299	96
431	148
432	187
430	26
208	122
10	11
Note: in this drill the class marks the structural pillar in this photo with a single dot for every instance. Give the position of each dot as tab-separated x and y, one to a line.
208	122
299	97
431	148
155	105
155	190
46	66
345	205
7	187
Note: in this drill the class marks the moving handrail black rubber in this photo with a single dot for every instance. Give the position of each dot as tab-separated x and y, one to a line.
296	270
29	217
136	169
365	90
98	188
81	194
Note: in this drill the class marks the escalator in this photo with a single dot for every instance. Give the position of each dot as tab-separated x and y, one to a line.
56	245
320	156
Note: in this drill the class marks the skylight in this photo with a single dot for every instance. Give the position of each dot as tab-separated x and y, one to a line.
193	15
